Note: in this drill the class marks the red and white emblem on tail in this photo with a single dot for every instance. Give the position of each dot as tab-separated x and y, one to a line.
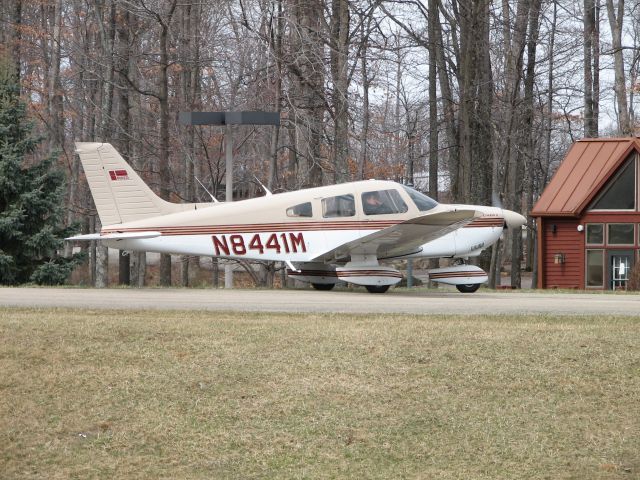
118	175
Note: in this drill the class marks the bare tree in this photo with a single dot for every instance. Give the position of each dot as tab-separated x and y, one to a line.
339	46
591	23
616	20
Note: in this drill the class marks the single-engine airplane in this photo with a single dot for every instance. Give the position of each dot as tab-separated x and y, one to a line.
324	234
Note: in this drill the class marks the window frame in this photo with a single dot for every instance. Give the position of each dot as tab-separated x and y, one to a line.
286	212
325	199
604	234
586	268
633	237
385	191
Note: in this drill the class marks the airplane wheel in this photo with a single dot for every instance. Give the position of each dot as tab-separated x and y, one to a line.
323	286
469	288
377	288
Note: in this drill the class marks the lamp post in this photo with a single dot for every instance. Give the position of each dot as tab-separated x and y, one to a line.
228	119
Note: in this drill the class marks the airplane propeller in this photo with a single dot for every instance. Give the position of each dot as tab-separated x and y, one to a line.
496	201
511	219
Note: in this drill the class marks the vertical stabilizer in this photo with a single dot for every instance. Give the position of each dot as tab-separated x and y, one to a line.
118	191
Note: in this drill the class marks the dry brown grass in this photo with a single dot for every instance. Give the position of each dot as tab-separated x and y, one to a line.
95	394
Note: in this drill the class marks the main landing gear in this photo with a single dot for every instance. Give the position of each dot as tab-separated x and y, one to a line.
377	288
323	286
370	288
469	288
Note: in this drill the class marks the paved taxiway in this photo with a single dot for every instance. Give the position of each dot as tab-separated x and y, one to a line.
400	301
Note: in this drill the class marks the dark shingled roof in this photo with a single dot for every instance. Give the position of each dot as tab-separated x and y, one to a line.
588	165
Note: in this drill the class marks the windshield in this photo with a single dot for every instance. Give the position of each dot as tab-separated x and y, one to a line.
423	202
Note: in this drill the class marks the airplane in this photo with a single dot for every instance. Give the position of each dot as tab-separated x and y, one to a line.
324	235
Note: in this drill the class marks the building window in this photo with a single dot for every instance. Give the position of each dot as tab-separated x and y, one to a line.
383	202
340	206
595	268
595	234
620	233
620	191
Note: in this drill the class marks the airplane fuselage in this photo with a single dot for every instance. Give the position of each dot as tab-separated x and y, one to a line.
264	229
299	243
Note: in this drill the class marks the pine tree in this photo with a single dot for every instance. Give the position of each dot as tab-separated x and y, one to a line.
31	197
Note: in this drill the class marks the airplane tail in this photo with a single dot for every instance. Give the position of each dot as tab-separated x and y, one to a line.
118	191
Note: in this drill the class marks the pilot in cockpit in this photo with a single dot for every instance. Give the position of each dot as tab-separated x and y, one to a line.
373	205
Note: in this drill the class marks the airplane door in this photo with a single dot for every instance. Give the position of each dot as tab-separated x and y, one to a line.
620	265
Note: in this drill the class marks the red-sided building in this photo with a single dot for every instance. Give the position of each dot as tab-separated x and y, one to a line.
588	217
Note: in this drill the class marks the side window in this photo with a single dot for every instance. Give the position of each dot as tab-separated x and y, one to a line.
383	202
340	206
302	210
620	233
595	234
595	268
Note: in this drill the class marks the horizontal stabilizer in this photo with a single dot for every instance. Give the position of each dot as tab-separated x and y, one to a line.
115	236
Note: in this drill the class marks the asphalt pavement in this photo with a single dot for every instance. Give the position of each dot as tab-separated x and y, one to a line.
422	301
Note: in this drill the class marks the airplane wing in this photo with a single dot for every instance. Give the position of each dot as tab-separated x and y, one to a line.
115	236
404	238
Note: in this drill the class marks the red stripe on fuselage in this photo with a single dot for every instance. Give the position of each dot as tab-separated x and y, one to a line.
285	227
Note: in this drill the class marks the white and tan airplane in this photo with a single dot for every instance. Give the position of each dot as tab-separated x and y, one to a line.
324	235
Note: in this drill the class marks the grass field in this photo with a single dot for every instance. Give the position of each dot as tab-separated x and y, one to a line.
97	394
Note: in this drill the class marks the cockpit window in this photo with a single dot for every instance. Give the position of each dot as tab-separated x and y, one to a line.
423	202
340	206
383	202
302	210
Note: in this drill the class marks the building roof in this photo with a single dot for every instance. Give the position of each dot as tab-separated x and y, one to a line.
588	165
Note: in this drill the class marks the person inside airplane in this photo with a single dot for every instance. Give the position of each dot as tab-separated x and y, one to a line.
382	202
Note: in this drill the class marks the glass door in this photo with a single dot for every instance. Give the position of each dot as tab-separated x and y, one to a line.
620	265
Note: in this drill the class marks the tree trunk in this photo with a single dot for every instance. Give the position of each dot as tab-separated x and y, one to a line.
54	91
339	43
366	114
102	263
275	131
528	140
513	132
163	158
590	122
449	104
16	37
188	76
616	22
308	84
106	122
124	124
473	177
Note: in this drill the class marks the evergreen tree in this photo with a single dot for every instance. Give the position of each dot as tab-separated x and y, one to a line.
31	197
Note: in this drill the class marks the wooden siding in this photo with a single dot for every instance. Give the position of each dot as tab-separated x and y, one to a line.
570	242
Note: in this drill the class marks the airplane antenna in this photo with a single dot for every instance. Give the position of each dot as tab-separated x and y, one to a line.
267	191
213	199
